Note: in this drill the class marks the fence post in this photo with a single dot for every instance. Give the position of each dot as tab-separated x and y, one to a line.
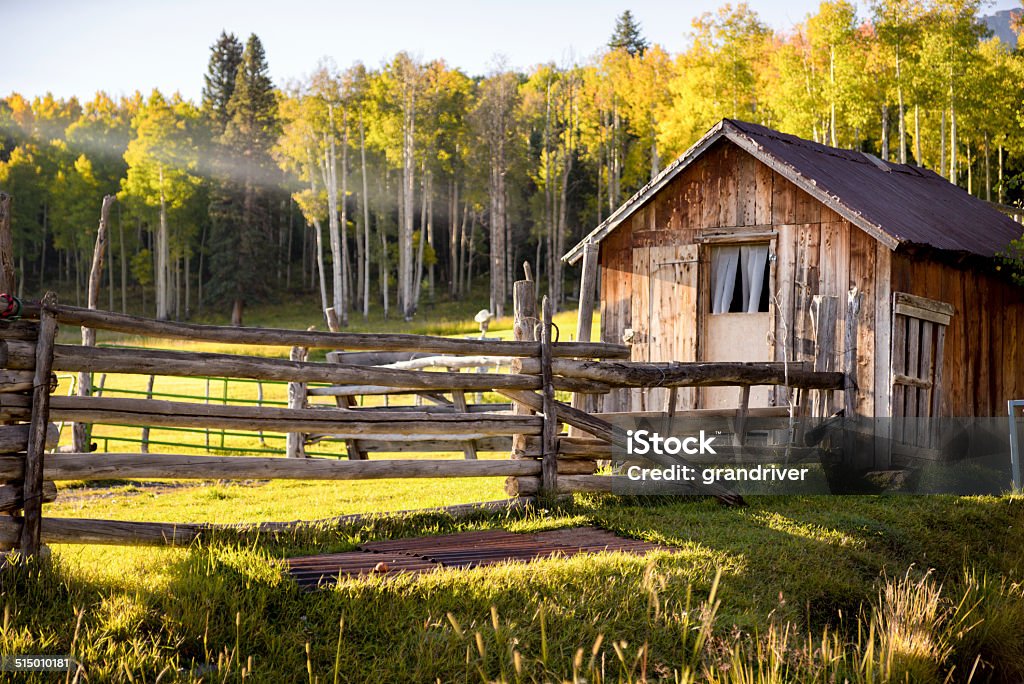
31	530
144	437
588	291
549	440
295	444
80	432
7	279
824	309
524	327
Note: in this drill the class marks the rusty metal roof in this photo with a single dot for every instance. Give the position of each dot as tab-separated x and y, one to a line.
463	550
897	204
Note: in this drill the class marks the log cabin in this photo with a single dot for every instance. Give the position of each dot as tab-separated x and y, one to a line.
756	246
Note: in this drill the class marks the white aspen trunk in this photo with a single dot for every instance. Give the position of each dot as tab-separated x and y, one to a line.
366	223
885	132
472	252
988	172
453	237
319	242
901	122
463	247
124	264
832	96
430	236
188	288
330	176
346	265
999	178
418	270
161	255
917	135
952	138
942	143
405	255
655	158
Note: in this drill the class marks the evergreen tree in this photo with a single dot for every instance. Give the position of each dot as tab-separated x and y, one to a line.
627	35
219	81
242	246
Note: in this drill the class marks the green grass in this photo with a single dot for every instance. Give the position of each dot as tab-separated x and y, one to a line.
806	570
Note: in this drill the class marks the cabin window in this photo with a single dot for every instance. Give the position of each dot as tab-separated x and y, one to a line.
739	278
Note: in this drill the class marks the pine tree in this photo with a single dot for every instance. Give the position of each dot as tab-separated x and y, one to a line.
225	56
242	245
627	35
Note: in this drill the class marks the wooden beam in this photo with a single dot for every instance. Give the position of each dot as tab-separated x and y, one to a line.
933	305
15	438
125	466
40	423
146	327
201	364
19	330
700	374
12	495
79	531
500	444
158	413
13	381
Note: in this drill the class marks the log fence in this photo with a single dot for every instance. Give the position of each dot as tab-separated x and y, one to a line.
527	425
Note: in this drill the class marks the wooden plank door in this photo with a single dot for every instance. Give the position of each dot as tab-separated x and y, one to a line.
664	316
918	345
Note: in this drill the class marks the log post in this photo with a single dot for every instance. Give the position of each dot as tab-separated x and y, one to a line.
295	444
824	310
549	438
524	329
585	319
80	431
144	437
33	483
7	279
853	301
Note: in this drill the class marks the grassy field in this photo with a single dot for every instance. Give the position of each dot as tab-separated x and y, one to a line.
794	589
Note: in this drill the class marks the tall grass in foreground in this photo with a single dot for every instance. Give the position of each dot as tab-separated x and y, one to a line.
915	630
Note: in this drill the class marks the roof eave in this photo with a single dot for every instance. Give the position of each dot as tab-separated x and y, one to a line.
790	173
630	206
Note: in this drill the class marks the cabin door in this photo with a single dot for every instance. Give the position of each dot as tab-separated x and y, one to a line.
664	316
737	319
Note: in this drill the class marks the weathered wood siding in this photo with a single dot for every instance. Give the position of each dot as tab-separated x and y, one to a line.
818	252
983	364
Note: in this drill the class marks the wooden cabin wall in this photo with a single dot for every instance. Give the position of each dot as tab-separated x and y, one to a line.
983	364
818	252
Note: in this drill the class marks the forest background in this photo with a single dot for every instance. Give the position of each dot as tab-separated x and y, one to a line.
386	187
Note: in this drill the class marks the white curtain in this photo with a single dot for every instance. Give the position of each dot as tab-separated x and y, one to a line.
724	261
753	259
